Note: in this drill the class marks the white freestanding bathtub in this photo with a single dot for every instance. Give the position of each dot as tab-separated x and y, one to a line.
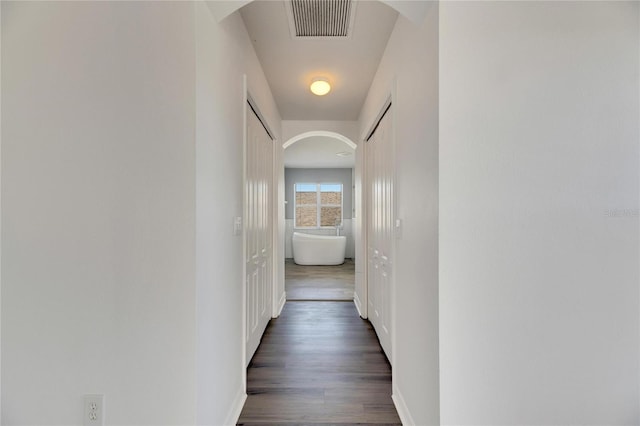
318	249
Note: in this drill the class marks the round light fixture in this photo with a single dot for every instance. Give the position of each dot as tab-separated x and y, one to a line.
320	86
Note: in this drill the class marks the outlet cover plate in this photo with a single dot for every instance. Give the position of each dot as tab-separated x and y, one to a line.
93	410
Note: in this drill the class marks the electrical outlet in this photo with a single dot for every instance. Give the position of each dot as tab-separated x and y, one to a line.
237	226
93	410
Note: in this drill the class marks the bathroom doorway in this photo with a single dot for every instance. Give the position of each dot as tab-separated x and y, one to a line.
319	218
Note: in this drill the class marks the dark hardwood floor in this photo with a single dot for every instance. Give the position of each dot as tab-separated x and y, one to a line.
319	282
319	363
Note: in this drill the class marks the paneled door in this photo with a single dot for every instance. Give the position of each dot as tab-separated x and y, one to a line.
379	177
258	230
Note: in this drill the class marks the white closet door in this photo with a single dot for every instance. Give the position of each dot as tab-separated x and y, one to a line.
259	228
380	236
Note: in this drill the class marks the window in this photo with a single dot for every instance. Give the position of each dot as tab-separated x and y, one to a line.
317	205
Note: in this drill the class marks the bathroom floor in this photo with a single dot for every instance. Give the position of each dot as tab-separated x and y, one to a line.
319	364
319	282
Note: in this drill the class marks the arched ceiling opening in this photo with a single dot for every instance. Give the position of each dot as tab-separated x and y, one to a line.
319	149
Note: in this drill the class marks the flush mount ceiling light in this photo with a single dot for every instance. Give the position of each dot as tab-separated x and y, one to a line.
320	86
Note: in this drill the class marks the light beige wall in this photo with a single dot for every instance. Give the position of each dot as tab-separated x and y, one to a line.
224	57
409	70
98	214
539	144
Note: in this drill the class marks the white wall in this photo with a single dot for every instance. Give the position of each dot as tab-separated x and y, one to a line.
216	206
224	55
411	59
121	176
98	211
538	273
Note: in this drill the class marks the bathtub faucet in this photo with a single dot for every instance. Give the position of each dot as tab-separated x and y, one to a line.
338	225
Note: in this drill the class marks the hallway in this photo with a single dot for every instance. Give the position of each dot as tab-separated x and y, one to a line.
319	363
509	238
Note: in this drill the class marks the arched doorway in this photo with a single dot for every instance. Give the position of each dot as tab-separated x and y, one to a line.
324	161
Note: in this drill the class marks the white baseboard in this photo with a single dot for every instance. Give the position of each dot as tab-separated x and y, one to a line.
401	407
358	303
283	300
236	408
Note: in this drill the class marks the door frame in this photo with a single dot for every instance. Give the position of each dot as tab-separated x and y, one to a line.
279	219
360	240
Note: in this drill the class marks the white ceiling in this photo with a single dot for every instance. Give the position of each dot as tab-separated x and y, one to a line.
290	64
318	152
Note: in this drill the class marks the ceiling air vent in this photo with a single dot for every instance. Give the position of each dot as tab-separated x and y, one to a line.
320	18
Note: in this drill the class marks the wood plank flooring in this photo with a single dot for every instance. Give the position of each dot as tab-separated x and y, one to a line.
320	282
319	363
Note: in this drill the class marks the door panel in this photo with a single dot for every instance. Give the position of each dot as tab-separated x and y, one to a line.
380	233
258	233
